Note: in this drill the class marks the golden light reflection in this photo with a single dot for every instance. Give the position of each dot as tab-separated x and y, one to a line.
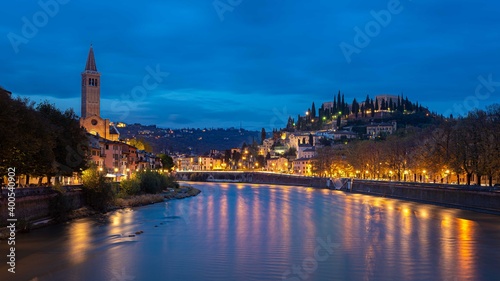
423	213
406	211
448	245
467	249
406	229
348	223
210	215
79	241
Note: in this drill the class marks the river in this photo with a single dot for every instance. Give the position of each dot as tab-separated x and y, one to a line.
265	232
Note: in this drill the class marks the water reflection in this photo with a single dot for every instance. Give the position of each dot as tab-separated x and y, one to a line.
79	241
252	232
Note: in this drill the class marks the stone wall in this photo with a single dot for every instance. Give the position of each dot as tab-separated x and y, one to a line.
37	206
459	197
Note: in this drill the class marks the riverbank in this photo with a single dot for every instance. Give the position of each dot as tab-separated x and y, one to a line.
473	198
120	203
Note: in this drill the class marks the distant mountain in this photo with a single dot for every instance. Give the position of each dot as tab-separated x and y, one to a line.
189	140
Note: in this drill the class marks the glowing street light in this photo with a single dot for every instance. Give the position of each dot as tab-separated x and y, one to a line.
116	174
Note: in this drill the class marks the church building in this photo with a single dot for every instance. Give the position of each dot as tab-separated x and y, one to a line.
91	103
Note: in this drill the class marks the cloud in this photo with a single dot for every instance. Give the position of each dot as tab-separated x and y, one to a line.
264	55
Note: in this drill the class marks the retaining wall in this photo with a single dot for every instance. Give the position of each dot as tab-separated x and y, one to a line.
37	206
448	196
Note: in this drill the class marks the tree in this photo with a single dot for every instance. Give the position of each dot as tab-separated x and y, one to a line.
339	104
311	139
331	161
167	162
97	191
313	111
263	133
140	144
30	151
291	153
71	149
372	108
355	107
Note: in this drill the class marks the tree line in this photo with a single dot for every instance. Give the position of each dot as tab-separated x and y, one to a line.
40	140
315	119
466	146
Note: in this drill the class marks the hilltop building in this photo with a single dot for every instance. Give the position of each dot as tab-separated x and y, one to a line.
375	129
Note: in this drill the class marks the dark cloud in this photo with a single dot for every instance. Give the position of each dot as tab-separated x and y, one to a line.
263	56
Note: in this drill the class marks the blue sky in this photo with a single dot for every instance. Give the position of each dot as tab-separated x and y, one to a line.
251	61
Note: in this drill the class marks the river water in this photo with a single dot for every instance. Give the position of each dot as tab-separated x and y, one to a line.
262	232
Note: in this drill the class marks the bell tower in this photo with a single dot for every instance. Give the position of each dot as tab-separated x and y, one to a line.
91	102
91	88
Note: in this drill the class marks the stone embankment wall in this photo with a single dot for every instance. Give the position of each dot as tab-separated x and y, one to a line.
34	203
451	196
473	198
268	178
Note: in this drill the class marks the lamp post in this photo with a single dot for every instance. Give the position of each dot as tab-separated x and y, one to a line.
116	174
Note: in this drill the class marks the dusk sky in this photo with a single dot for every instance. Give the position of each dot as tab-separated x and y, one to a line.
251	61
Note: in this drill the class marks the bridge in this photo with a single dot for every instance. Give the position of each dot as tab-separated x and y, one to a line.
252	177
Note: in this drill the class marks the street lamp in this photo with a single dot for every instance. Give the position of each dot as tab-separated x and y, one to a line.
116	174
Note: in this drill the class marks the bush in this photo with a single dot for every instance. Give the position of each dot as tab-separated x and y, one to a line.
130	186
154	182
170	182
98	193
150	182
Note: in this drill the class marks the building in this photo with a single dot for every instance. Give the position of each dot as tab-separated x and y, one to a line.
306	151
302	166
387	98
278	164
376	129
91	102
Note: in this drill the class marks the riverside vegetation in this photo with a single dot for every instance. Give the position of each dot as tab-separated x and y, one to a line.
101	195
